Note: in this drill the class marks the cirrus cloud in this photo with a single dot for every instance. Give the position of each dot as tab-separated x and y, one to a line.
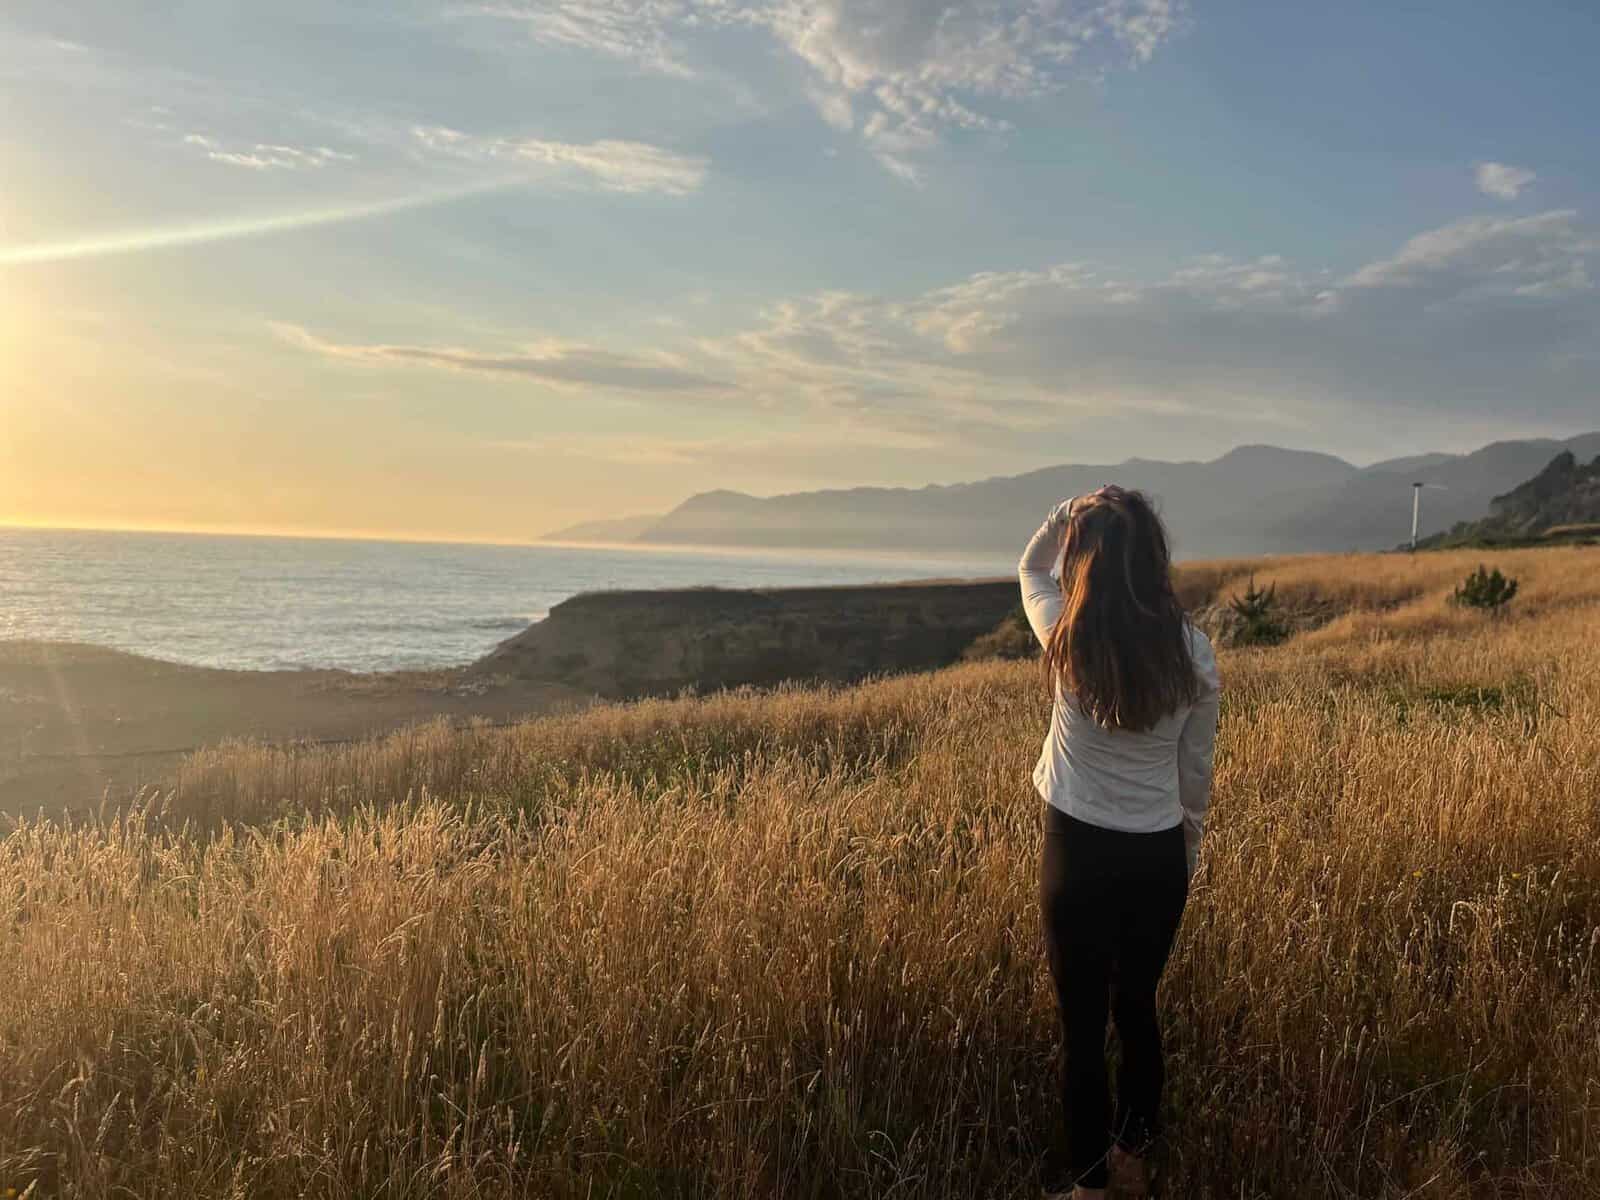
611	164
563	364
266	156
902	73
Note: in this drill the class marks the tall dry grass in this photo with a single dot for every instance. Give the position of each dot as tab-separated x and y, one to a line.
786	945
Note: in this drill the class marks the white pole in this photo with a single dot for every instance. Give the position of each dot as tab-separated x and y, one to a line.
1416	507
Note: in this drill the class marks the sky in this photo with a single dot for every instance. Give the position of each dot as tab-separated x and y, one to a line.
476	269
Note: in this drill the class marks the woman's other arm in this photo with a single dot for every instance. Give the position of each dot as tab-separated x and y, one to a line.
1041	594
1196	749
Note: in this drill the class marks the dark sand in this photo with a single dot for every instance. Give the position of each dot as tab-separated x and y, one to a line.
79	722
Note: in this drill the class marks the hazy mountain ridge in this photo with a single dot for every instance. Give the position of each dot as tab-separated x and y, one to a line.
616	529
1254	499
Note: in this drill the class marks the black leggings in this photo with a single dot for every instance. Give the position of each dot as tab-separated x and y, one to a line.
1111	902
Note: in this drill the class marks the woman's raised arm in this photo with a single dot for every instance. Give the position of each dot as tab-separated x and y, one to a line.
1041	594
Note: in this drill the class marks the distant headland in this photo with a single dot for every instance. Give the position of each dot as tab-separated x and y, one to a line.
1253	500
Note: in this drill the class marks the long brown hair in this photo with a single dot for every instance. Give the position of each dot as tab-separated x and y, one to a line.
1120	648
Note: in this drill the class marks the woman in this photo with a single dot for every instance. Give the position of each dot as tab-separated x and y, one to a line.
1126	778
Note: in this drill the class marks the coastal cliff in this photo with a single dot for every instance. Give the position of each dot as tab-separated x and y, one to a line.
623	644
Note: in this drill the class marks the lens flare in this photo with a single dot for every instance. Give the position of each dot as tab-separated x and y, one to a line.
234	228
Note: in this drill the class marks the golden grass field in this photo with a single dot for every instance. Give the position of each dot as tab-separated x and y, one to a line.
786	945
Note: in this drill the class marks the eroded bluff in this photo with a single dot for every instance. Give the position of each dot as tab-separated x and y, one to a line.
624	644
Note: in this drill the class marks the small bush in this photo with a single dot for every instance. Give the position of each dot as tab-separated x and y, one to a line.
1485	589
1012	638
1259	623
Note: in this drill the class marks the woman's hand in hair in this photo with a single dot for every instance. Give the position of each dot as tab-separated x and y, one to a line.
1062	513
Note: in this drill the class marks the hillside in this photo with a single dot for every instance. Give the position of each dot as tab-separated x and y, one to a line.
786	944
1252	500
1565	496
1373	509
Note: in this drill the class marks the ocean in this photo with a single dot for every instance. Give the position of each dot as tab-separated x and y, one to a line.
265	603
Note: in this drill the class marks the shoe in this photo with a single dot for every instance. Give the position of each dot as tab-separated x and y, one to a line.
1056	1184
1130	1174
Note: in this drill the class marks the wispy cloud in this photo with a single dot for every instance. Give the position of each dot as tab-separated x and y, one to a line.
1502	181
903	73
265	156
638	30
1457	320
1460	319
501	164
612	165
1505	255
564	364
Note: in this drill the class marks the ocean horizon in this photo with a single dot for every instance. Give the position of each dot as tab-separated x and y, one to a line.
274	602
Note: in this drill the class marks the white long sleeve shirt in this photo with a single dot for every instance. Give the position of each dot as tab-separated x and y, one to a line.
1141	781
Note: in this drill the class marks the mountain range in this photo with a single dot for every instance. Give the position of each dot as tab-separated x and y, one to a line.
1255	499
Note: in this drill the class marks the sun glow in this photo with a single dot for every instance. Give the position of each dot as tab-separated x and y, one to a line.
15	322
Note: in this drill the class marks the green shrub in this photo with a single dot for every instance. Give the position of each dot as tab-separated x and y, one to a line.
1259	623
1485	589
1012	638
